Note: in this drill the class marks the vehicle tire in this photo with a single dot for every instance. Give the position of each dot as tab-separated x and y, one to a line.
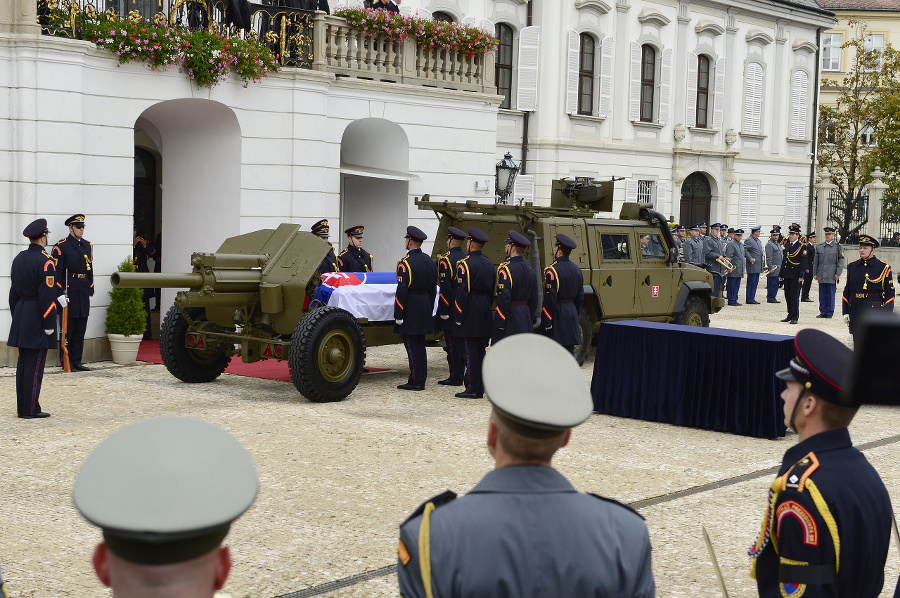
328	352
695	313
188	365
584	322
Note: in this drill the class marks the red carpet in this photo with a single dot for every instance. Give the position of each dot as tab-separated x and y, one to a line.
267	369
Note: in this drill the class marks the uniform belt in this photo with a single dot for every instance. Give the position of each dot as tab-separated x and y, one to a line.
77	275
864	295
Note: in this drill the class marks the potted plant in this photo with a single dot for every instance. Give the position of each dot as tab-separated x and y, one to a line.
126	319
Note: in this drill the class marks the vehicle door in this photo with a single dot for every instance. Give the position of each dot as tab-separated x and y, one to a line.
614	279
655	278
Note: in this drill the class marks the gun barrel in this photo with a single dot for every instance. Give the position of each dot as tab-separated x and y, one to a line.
151	280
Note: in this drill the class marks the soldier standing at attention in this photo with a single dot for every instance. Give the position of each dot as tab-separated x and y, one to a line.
735	252
355	258
165	492
517	292
826	530
476	279
74	257
792	268
447	281
870	284
563	296
810	263
827	269
329	262
774	257
32	303
712	251
753	250
524	530
417	278
693	247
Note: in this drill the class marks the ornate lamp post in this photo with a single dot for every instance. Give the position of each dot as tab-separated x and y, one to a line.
505	177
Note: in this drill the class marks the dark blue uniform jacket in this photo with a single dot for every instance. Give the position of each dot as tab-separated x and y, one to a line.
416	291
75	266
517	298
870	285
353	259
475	282
796	257
563	300
329	263
32	299
447	281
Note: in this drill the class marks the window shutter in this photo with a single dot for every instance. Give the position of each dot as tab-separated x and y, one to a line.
606	76
470	21
572	56
529	48
691	116
488	26
662	197
665	87
793	211
719	96
749	206
753	99
798	104
634	104
631	190
523	189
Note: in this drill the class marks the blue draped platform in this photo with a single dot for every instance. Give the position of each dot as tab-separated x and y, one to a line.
707	378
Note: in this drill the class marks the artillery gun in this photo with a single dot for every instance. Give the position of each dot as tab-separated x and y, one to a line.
254	298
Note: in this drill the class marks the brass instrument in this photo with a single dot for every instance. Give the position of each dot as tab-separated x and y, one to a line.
725	262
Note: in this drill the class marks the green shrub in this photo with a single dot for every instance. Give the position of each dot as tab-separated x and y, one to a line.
126	313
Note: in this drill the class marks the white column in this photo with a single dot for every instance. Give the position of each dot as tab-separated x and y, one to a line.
876	192
824	186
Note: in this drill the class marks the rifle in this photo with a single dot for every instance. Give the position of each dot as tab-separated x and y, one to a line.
67	365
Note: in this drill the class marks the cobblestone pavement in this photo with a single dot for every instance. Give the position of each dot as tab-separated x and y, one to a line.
336	479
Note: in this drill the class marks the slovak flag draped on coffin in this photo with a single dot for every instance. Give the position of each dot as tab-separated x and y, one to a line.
367	295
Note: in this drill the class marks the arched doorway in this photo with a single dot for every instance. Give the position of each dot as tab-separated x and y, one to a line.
696	196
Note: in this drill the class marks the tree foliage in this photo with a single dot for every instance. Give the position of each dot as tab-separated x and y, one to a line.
126	314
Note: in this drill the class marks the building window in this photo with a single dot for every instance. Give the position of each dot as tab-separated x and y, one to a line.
875	42
645	191
831	51
753	88
586	75
444	17
702	91
648	81
504	63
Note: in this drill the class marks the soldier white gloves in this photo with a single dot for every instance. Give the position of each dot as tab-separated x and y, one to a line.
847	319
63	300
48	331
399	322
445	317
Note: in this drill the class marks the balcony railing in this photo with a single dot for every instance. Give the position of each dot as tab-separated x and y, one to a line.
299	38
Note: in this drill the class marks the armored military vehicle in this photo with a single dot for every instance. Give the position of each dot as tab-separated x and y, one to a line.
630	264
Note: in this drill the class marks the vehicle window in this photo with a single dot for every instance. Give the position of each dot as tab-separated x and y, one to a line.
652	247
615	247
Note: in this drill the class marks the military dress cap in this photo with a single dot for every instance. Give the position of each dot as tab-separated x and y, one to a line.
456	233
36	229
695	227
518	239
775	231
739	231
355	231
794	228
821	365
811	235
681	227
723	226
828	229
525	398
715	226
731	230
166	489
320	228
702	224
477	235
753	229
415	234
868	240
565	241
75	219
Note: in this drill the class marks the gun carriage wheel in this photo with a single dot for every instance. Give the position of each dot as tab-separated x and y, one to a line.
328	351
188	364
694	313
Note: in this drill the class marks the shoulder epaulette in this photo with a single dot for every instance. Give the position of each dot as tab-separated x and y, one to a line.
441	499
617	503
795	477
63	240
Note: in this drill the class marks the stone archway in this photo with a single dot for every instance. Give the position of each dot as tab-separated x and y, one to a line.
696	197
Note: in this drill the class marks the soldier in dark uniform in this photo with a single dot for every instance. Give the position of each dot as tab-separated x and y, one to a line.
517	292
143	251
355	258
793	267
329	262
32	302
713	249
826	529
524	530
476	279
774	258
870	284
74	257
447	280
809	274
155	489
563	296
417	279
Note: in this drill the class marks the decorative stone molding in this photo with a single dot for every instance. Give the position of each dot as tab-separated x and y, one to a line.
598	6
622	6
653	17
804	45
679	133
684	13
730	137
759	36
780	37
710	27
731	22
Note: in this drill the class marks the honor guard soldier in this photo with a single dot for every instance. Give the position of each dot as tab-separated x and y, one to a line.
810	262
417	279
826	529
476	279
517	291
793	267
693	247
774	257
713	250
524	530
827	269
329	262
447	281
74	257
355	258
753	251
870	283
165	492
734	251
563	296
32	303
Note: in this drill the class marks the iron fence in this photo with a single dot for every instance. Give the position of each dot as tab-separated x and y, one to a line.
848	214
890	217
